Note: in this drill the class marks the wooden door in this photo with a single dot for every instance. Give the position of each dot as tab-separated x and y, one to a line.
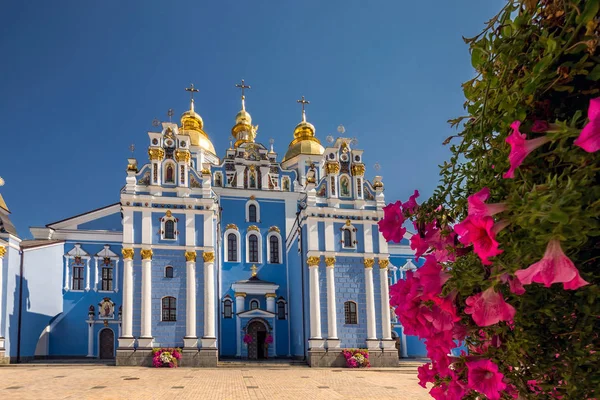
107	344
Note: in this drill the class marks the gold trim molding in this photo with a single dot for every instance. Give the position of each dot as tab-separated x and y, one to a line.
274	229
313	261
383	264
190	256
2	251
268	295
146	254
369	262
332	167
127	254
231	226
358	169
156	154
183	156
330	261
208	256
253	228
239	294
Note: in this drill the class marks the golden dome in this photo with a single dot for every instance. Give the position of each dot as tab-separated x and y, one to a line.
304	141
243	131
191	125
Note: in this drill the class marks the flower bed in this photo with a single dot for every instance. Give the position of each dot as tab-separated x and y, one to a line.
166	357
356	358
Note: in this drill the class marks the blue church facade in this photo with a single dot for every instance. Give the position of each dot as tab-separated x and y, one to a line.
239	256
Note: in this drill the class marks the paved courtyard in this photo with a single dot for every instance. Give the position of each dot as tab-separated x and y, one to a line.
296	382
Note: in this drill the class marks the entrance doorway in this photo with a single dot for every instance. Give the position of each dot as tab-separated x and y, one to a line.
107	344
256	349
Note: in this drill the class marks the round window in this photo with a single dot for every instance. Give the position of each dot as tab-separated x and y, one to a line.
357	158
155	141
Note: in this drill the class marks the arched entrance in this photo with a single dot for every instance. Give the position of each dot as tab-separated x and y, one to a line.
258	330
106	344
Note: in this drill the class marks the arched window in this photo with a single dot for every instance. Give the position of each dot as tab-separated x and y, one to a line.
350	316
252	211
232	247
274	249
169	309
281	312
253	248
227	308
168	272
347	238
253	304
169	229
170	178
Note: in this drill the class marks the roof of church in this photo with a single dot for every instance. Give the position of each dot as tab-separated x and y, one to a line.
3	204
28	244
256	280
6	225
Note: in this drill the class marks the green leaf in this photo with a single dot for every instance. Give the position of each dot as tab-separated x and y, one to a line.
558	216
589	12
551	45
542	65
594	75
478	56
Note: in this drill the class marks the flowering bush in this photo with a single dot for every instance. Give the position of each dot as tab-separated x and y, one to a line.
356	358
269	339
510	236
166	357
247	338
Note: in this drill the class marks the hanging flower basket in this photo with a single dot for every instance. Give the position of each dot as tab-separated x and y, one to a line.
166	357
247	339
356	358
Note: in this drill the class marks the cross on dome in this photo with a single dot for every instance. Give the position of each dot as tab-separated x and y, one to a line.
243	86
192	90
303	101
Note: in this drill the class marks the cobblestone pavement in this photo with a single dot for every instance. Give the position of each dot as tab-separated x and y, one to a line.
106	382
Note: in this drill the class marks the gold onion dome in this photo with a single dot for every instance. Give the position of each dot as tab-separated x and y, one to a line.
243	131
305	141
191	125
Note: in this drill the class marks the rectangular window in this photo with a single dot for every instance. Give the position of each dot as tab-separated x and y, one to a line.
231	247
253	251
107	279
274	249
281	310
227	310
77	278
169	311
350	316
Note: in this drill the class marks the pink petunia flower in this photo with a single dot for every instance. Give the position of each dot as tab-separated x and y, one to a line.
478	208
520	148
554	267
426	374
489	308
484	377
411	205
589	139
514	284
479	231
391	225
432	276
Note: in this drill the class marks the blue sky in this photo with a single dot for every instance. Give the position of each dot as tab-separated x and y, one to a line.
80	81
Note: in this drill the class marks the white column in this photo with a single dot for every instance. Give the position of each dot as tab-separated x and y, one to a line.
90	339
371	327
87	274
127	297
96	277
116	275
386	318
146	317
271	302
240	298
190	340
331	309
67	268
315	302
2	253
209	338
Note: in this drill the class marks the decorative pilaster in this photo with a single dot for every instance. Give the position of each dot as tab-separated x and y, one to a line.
371	324
271	302
240	298
209	339
190	339
315	303
332	337
145	340
386	330
2	254
126	339
90	352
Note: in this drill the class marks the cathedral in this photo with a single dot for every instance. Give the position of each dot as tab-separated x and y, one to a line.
237	254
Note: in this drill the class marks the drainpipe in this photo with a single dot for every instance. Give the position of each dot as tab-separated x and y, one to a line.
22	254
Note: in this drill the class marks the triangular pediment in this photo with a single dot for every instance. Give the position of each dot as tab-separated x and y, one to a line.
106	252
77	251
90	216
256	313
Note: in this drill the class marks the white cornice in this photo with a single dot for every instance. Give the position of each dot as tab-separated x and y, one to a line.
88	235
255	288
83	218
259	194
